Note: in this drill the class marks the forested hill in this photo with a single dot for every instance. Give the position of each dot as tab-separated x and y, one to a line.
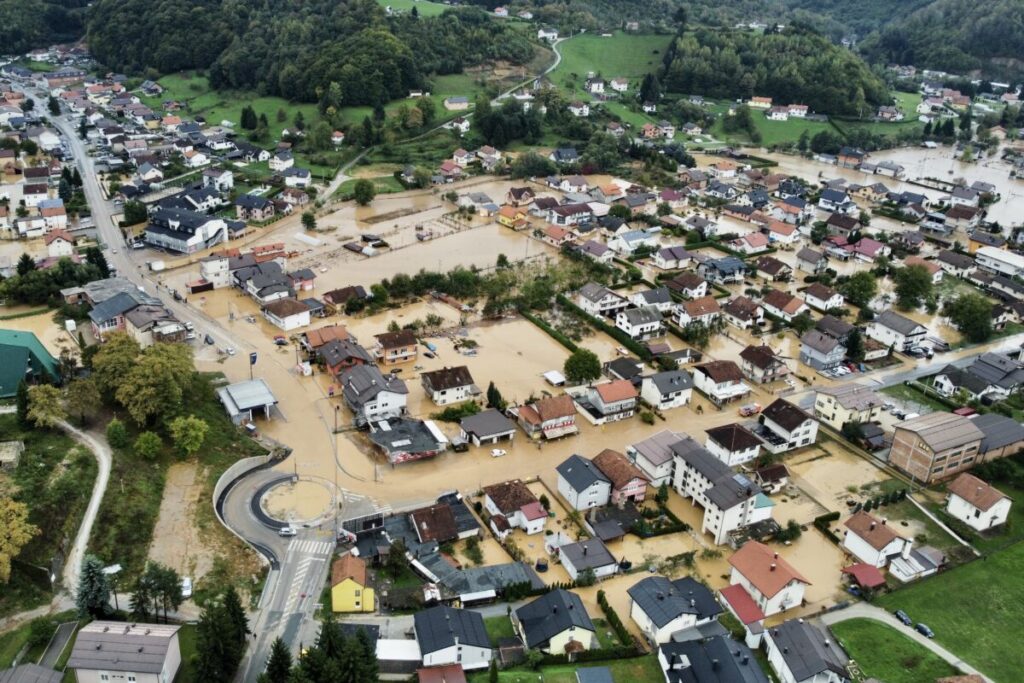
347	50
793	67
28	24
959	36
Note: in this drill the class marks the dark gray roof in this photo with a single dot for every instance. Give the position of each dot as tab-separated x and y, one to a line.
441	627
594	291
670	381
488	423
589	554
362	383
808	650
594	674
119	304
663	600
834	327
728	488
999	431
338	351
785	414
657	449
642	315
897	322
964	378
404	436
580	473
716	660
955	259
551	614
660	295
30	673
997	369
809	255
625	368
835	196
118	646
819	341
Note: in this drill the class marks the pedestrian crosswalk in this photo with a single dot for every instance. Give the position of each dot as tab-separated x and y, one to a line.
310	547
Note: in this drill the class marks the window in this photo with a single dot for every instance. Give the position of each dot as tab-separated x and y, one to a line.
104	677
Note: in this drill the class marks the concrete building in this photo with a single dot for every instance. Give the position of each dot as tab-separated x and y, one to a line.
769	580
130	652
935	446
654	456
733	444
835	406
447	635
800	651
785	426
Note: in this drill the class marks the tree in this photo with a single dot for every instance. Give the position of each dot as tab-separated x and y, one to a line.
156	382
117	435
188	433
64	191
396	562
17	531
82	398
248	116
94	256
92	596
21	402
582	366
819	231
135	212
236	615
148	445
855	346
308	221
860	289
972	315
299	121
45	408
532	165
620	211
492	672
217	651
494	398
913	286
363	191
25	265
661	497
282	115
279	664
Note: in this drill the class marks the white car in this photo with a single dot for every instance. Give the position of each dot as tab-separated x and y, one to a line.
286	531
497	452
230	350
186	587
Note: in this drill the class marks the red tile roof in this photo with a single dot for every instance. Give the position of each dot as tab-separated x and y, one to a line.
742	605
764	568
865	575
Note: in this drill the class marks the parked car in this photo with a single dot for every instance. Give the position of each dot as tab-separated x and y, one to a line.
281	340
186	587
903	617
286	531
209	340
924	630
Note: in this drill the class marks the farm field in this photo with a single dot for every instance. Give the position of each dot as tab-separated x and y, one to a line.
974	611
620	56
887	655
423	7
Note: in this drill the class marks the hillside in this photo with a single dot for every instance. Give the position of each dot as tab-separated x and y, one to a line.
958	36
342	54
28	24
792	67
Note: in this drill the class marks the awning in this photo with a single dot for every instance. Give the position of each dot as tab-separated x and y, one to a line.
556	432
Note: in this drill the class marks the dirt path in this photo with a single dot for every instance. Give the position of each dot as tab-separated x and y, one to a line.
177	540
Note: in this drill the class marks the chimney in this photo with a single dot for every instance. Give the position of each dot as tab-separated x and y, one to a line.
884	520
827	644
746	658
714	665
873	525
773	566
584	549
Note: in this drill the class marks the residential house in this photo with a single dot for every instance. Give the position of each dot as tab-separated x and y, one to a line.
933	268
373	396
841	224
896	331
659	297
837	201
640	323
723	271
628	242
350	591
667	390
590	555
822	297
120	651
628	482
339	355
286	313
811	261
610	402
549	418
487	427
800	651
250	207
976	503
873	541
990	375
1003	436
556	236
761	364
688	285
773	269
730	501
661	607
784	426
564	155
704	310
784	305
519	196
597	251
582	484
512	217
59	243
718	659
516	506
954	263
821	351
579	109
672	258
597	300
447	635
847	403
393	348
733	444
555	623
721	381
767	578
654	456
935	446
1000	261
449	385
743	313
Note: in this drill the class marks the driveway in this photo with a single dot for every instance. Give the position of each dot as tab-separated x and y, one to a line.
98	445
862	610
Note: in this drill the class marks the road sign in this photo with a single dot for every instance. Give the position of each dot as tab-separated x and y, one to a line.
252	358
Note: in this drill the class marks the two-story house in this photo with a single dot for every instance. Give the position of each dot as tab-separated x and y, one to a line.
373	396
772	583
612	401
549	418
873	541
555	623
513	506
449	385
760	364
393	348
661	607
654	456
784	426
628	483
582	484
733	444
721	381
667	390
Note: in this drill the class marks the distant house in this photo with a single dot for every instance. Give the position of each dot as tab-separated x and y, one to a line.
784	305
556	623
456	103
287	313
725	270
447	635
349	590
487	427
821	351
704	310
640	323
610	402
688	285
822	297
873	541
597	300
847	403
516	506
588	555
112	650
582	484
661	607
811	261
976	503
743	313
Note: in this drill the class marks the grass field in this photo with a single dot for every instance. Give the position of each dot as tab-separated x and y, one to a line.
623	55
498	628
974	611
885	654
911	395
781	132
423	7
385	184
635	670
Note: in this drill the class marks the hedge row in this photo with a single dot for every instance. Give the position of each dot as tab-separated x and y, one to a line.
552	332
612	616
822	522
613	332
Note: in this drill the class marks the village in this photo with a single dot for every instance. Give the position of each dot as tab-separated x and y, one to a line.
638	431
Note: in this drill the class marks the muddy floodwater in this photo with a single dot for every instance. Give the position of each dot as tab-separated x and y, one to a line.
298	501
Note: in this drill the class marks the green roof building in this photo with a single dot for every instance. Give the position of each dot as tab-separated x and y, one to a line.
23	356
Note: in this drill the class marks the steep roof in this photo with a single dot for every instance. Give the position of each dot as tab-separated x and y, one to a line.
657	449
448	378
616	390
663	600
716	660
895	321
976	492
396	340
435	523
721	371
764	568
785	414
734	437
551	614
873	531
348	567
441	627
809	650
760	356
580	473
510	496
617	467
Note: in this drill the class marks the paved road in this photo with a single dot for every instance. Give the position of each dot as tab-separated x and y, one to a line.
862	610
57	644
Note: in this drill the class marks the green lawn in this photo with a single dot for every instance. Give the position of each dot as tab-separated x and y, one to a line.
423	7
921	403
974	610
187	645
632	670
385	184
624	55
886	654
907	102
637	119
498	628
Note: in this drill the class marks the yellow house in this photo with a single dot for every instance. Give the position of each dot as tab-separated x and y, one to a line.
349	592
510	215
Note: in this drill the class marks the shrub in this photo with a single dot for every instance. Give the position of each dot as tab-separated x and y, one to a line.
117	435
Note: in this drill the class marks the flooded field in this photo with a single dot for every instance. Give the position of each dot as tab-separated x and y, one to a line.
54	337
